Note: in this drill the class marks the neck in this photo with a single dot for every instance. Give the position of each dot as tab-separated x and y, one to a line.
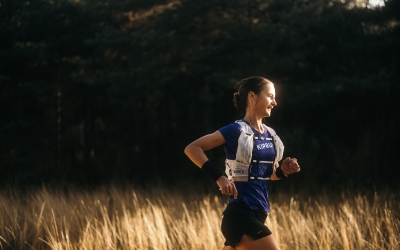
255	123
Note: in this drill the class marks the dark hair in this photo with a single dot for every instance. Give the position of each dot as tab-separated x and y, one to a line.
255	84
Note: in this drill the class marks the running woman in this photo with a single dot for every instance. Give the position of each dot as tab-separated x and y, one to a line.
253	151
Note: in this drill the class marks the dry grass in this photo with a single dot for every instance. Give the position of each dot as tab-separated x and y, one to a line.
123	218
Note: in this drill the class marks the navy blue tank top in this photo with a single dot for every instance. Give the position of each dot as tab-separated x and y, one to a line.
253	193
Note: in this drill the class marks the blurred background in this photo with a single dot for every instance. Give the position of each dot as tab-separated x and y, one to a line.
94	91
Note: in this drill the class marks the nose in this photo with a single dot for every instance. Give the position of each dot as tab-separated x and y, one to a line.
274	102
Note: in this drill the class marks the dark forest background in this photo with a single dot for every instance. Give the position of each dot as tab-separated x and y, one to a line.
99	91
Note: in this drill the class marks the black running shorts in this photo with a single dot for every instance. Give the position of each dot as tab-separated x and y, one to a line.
239	219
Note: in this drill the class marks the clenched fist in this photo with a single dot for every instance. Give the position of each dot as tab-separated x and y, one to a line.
290	166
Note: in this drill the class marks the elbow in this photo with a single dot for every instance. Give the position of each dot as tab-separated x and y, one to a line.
187	150
190	150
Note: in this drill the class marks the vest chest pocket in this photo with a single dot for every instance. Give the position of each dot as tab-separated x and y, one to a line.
239	171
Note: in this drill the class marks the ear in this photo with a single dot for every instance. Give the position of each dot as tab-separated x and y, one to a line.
251	95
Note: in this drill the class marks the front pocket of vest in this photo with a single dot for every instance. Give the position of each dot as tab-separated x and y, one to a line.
240	172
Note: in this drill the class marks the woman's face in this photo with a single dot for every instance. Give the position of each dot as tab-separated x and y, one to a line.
265	101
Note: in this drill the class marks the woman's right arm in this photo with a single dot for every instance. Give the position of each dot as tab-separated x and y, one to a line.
196	153
195	150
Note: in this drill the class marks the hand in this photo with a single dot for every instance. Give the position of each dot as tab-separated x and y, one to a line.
290	166
227	187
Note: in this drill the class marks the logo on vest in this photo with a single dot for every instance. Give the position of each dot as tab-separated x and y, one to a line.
265	145
238	171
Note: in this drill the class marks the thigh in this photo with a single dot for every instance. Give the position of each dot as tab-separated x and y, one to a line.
265	243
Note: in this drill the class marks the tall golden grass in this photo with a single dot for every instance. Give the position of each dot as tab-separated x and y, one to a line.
127	218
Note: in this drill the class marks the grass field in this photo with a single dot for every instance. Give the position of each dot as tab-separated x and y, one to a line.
128	218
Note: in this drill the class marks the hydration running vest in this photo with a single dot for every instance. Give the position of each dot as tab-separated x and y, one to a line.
239	169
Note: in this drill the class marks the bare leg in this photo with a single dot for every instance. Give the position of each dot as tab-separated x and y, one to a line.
265	243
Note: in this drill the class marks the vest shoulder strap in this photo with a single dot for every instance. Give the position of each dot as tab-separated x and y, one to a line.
270	130
246	127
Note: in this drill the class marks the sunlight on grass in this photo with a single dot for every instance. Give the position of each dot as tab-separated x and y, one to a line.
123	218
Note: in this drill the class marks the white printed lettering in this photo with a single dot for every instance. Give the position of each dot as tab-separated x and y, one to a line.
264	145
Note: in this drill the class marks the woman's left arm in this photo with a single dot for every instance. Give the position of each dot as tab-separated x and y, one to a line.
289	166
